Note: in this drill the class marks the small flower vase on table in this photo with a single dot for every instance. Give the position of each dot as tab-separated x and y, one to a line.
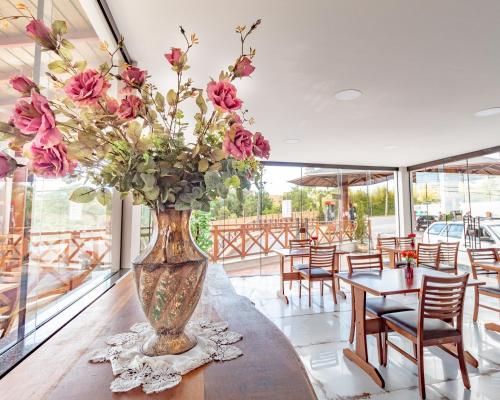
314	240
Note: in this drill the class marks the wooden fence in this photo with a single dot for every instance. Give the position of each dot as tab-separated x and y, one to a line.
242	240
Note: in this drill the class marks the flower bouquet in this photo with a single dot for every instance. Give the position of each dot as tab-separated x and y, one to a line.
137	145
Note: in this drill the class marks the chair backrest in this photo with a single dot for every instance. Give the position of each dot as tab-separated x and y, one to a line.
386	242
428	254
299	243
365	261
404	241
442	298
321	257
448	253
487	255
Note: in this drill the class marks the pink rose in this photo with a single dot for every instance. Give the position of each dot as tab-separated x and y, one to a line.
223	95
87	87
33	116
133	77
130	107
22	84
51	162
174	56
261	146
39	32
244	68
7	165
112	105
48	138
238	142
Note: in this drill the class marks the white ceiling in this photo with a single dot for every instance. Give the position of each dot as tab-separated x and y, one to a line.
425	67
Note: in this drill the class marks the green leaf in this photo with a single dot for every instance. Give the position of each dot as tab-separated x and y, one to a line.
200	102
83	194
134	131
67	44
59	27
66	53
160	101
171	97
218	155
181	206
212	179
149	181
80	65
103	196
153	193
203	165
57	66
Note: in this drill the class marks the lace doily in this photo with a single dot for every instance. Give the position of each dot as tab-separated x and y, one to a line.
132	368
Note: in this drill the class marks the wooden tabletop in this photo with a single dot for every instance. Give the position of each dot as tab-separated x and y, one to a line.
491	266
269	368
392	281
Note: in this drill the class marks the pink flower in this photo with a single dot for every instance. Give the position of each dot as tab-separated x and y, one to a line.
111	105
174	56
33	116
261	146
130	107
87	87
38	31
51	162
7	165
22	84
223	95
238	142
134	77
244	68
49	138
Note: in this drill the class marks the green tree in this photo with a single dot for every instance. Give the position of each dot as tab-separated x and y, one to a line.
200	229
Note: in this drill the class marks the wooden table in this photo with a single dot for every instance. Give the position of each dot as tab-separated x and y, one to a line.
394	252
384	283
294	275
269	368
493	267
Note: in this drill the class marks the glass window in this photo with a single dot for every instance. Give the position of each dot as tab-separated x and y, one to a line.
436	229
455	231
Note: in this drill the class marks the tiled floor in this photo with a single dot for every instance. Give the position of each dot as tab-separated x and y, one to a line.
320	333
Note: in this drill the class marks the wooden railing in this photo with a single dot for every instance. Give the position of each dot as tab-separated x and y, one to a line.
242	240
90	246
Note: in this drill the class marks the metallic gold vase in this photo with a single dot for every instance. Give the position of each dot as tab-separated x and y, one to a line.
169	275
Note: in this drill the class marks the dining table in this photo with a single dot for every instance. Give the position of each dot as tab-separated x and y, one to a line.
291	275
385	282
394	253
491	267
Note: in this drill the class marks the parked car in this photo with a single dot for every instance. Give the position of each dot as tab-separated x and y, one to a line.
424	221
441	231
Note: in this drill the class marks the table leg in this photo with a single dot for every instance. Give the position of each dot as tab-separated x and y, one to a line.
360	355
281	292
337	265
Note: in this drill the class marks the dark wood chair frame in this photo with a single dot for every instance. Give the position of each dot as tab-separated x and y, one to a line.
428	255
476	256
387	242
319	257
448	257
294	245
440	298
403	241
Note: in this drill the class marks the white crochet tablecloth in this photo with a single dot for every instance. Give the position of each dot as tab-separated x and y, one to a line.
132	368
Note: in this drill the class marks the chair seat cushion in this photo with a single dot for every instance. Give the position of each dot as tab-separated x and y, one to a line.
433	328
316	273
489	289
299	267
381	305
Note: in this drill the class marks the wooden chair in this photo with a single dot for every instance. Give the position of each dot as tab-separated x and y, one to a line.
9	301
386	242
448	257
428	255
403	241
477	256
298	244
320	268
441	299
375	306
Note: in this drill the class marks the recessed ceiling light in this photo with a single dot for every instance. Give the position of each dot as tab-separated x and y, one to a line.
348	94
487	112
292	141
